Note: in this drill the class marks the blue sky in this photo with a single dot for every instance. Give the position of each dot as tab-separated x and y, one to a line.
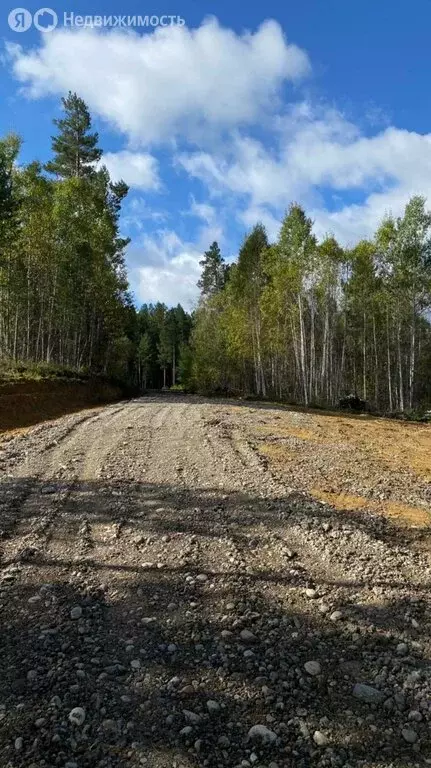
224	121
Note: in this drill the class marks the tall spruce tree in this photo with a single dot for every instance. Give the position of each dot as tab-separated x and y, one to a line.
75	147
214	272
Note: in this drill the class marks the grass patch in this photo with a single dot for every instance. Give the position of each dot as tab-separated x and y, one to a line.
11	372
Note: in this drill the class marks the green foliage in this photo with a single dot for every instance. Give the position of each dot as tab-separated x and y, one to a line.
144	349
214	272
63	288
210	371
11	371
9	199
163	335
121	354
75	148
296	320
164	347
309	322
186	367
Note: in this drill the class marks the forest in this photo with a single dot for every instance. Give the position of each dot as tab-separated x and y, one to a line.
309	322
63	283
298	320
65	303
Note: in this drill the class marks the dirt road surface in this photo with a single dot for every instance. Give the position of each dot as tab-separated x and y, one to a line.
187	583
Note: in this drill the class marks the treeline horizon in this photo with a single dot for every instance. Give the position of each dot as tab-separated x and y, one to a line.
296	320
310	322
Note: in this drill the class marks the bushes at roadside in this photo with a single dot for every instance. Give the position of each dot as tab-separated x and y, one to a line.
18	371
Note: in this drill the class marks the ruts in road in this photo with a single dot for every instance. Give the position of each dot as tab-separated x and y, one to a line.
170	597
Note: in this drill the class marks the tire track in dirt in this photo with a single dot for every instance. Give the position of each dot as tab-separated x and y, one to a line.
201	576
46	483
87	506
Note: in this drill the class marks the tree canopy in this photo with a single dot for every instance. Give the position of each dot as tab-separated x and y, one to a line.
75	148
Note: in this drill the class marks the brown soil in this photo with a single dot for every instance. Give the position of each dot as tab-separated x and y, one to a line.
350	462
161	572
25	403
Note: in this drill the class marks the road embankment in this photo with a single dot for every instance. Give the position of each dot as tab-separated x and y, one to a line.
27	402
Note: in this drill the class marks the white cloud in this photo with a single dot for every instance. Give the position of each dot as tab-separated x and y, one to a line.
174	81
311	155
163	267
138	206
137	169
213	86
255	214
170	272
203	211
354	222
136	214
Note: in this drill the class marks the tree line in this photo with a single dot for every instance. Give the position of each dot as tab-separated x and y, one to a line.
64	294
63	286
309	321
163	351
298	319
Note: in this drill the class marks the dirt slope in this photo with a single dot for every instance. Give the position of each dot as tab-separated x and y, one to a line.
165	573
27	402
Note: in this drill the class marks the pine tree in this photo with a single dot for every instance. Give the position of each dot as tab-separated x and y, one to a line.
214	272
75	148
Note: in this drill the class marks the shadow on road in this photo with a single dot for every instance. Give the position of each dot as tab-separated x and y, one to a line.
167	580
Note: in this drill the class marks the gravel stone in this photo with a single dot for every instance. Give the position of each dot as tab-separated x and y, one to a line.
312	667
77	716
409	735
262	733
179	584
320	739
367	693
336	616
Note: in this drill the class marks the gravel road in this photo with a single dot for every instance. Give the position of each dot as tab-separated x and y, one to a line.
168	600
